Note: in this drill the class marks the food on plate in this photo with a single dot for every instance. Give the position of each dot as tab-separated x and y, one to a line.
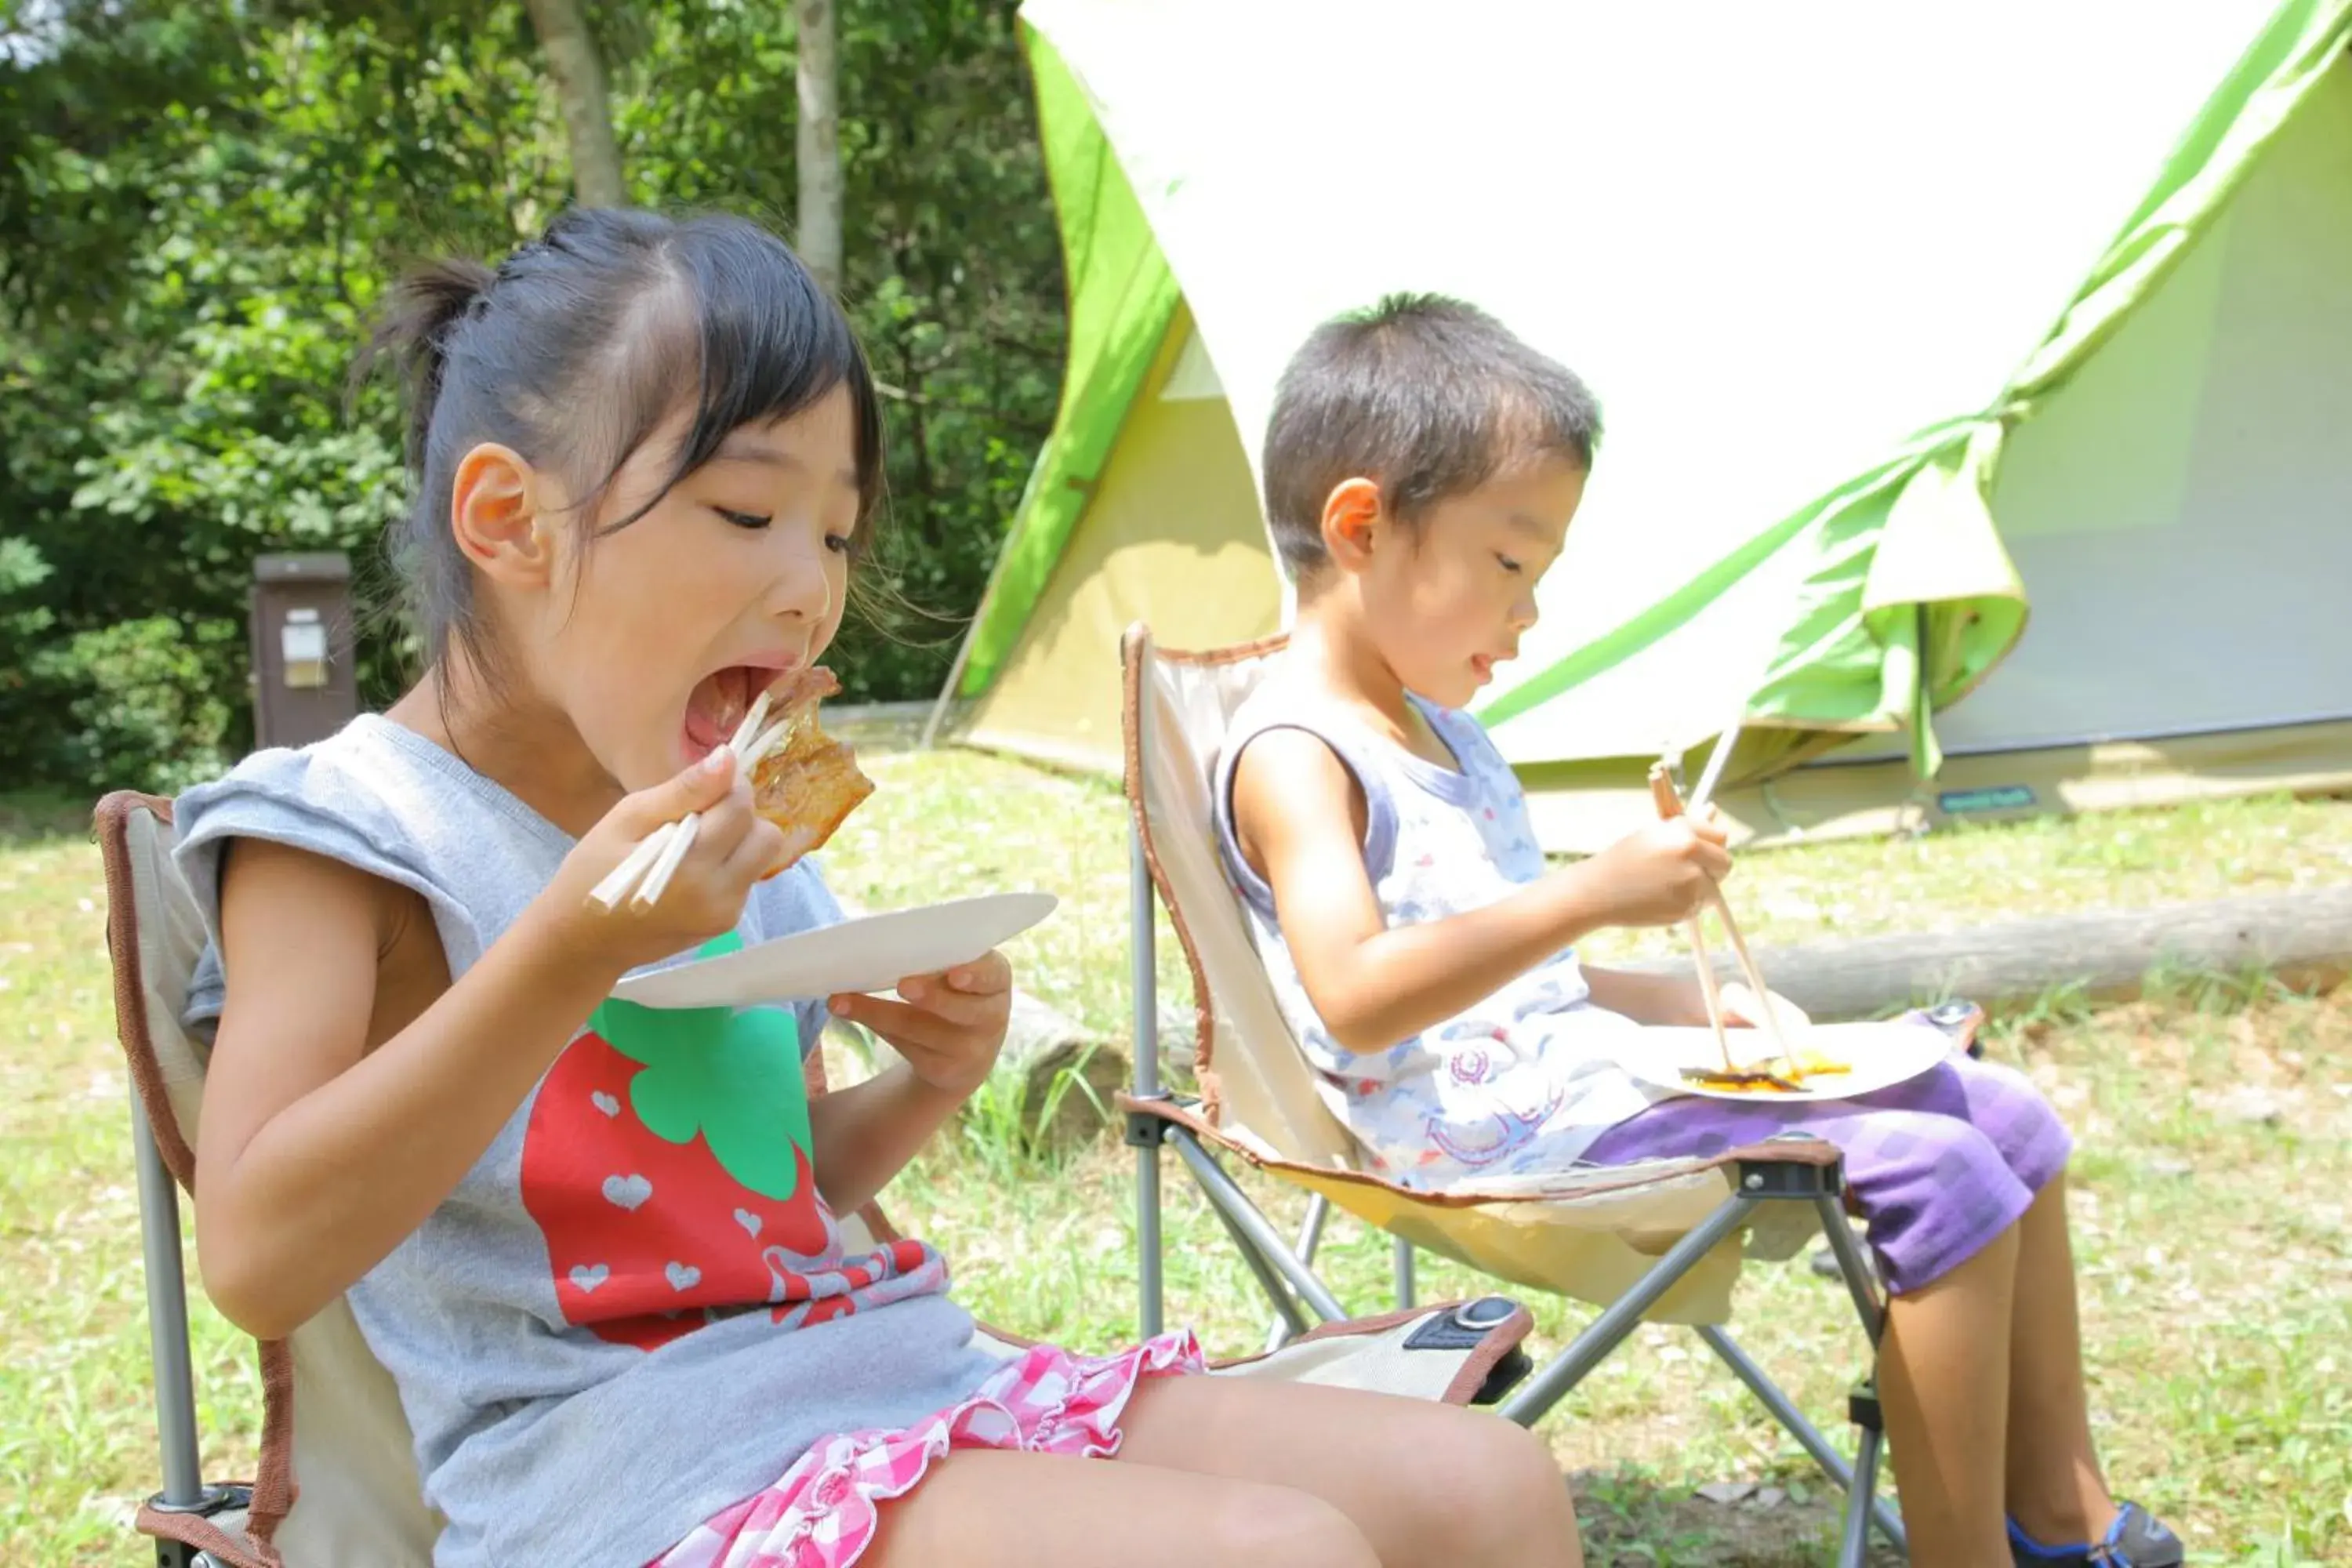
1752	1081
1810	1062
1804	1063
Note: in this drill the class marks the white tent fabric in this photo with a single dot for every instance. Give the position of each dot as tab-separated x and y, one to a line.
2182	511
1775	263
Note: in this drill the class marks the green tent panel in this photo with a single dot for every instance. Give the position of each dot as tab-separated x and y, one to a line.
1902	320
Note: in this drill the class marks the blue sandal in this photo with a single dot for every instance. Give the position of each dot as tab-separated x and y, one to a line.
2136	1540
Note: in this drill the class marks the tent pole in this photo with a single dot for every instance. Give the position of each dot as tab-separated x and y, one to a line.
945	698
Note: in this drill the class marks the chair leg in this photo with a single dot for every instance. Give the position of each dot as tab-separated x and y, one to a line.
1289	1319
1403	1269
1808	1435
167	1318
1310	1238
1853	1544
1144	975
1861	1282
1536	1396
1263	1243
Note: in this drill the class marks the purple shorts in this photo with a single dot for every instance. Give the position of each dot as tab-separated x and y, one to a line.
1937	1165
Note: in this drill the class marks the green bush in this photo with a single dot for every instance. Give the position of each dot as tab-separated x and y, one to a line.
139	704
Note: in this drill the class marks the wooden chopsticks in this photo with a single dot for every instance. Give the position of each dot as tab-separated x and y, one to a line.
648	867
1669	802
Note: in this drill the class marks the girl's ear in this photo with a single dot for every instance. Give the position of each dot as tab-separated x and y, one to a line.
495	505
1351	519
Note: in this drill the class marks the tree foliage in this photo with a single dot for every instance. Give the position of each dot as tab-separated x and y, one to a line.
200	201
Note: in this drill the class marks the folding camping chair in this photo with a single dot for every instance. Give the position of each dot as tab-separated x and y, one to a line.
337	1483
1660	1240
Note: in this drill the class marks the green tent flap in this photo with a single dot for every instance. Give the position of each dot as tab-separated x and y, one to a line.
1121	300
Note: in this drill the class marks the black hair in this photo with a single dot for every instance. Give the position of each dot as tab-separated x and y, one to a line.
576	348
1426	397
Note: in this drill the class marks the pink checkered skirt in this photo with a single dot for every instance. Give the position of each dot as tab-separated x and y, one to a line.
823	1512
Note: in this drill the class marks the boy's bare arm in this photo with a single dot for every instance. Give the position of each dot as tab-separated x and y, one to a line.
1299	814
1646	998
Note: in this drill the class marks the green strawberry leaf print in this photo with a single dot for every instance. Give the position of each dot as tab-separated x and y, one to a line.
732	1076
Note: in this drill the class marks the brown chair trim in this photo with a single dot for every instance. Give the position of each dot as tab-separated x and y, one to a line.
274	1489
1134	648
1468	1379
194	1530
1500	1342
1806	1152
113	823
1134	645
1232	653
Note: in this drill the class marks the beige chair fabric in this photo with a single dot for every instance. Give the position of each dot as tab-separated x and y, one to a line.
358	1501
1590	1232
337	1484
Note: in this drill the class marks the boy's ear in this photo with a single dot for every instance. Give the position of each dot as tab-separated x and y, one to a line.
494	513
1351	519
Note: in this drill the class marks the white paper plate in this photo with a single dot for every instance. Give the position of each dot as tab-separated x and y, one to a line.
873	953
1881	1055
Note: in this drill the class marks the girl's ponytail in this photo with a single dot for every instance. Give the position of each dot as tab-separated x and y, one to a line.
418	313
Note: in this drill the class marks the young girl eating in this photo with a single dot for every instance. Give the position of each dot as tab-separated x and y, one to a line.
1422	467
595	1242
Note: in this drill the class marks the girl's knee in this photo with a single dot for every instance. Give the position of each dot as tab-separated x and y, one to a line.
1500	1495
1255	1524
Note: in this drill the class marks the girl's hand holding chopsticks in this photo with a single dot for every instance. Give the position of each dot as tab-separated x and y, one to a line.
707	880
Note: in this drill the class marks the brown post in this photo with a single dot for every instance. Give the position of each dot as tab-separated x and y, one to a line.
305	682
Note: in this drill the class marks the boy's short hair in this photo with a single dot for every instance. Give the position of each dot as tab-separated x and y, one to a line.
1429	399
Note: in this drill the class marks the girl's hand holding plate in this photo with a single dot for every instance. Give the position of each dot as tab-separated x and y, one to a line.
947	1027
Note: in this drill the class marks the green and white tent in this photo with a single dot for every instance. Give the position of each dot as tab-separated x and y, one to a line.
1905	320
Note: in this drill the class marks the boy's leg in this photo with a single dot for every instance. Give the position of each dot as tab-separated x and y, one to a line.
1424	1482
984	1508
1943	1375
2056	1490
1942	1205
1931	1163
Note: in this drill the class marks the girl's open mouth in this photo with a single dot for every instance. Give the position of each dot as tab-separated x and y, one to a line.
719	703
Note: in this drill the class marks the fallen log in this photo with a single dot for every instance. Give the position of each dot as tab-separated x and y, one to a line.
2302	938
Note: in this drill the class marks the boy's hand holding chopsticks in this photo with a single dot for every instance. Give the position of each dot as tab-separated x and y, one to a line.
1663	873
1669	802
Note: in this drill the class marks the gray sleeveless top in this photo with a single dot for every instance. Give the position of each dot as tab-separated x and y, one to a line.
636	1309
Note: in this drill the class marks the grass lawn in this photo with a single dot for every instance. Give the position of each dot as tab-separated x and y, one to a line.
2215	1127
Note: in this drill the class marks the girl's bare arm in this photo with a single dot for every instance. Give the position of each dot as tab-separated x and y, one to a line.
865	1134
1299	814
353	1086
339	1113
946	1029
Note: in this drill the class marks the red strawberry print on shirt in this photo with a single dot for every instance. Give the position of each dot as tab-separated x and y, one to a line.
666	1160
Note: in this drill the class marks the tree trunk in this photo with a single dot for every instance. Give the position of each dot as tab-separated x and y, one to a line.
819	151
579	76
